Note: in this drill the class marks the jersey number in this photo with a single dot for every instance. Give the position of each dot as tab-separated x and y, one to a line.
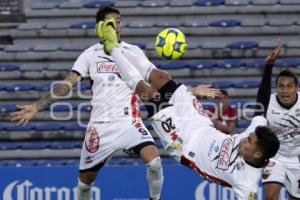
168	125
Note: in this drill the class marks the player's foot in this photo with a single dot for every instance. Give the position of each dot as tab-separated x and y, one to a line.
106	30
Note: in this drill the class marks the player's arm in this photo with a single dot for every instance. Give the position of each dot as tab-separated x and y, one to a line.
59	90
205	91
264	91
225	128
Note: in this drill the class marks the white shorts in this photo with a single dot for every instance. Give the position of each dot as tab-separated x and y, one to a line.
102	139
285	174
175	124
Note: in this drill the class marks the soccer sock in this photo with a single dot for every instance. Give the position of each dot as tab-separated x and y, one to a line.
155	177
128	72
141	63
83	191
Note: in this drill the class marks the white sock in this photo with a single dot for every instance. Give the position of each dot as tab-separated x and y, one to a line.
155	177
140	62
84	191
129	73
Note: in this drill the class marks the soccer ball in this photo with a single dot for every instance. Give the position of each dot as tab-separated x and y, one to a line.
170	44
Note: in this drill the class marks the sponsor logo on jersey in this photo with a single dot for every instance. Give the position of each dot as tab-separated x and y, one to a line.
92	140
275	113
225	153
198	106
27	190
266	173
107	67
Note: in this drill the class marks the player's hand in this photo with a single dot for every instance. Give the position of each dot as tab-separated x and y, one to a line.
205	91
274	55
26	113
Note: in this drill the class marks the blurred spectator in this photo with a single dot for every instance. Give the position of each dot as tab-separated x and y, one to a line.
223	116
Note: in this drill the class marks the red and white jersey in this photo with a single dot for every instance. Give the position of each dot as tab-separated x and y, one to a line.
216	157
111	98
286	124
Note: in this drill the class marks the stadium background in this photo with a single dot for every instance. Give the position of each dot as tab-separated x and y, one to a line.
39	41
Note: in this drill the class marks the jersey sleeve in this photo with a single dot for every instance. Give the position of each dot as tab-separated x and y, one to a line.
256	121
81	65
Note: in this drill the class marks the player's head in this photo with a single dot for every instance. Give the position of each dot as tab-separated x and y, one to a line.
259	146
110	12
286	86
224	98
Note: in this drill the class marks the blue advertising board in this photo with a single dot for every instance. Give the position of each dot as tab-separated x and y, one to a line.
124	182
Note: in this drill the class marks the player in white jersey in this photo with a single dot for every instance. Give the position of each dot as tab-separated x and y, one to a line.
187	133
114	123
283	116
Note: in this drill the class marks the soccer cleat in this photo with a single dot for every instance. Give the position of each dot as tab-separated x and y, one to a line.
106	30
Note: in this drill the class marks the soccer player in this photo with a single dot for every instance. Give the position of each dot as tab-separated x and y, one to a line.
114	123
187	133
283	116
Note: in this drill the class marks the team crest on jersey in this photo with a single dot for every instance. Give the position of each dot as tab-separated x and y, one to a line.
225	153
107	67
198	106
92	140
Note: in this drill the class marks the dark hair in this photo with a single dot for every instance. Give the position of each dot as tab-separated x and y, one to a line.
267	142
224	92
103	11
287	73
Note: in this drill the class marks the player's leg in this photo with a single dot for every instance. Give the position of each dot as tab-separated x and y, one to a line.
139	141
272	190
273	178
96	151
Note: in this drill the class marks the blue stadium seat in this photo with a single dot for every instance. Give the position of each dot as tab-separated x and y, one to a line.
20	87
151	3
243	45
237	2
287	63
42	87
8	108
9	67
192	83
2	127
14	127
83	25
98	4
173	65
33	145
127	4
18	48
247	84
226	23
265	2
231	64
85	108
202	64
48	127
195	23
70	5
84	86
140	44
259	63
243	123
210	2
73	47
181	3
222	84
74	127
65	107
167	24
10	145
65	145
2	87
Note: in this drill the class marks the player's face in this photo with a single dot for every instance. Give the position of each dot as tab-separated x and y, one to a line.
286	90
224	101
117	18
248	148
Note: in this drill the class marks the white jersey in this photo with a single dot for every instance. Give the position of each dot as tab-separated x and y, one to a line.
188	135
112	99
286	124
217	158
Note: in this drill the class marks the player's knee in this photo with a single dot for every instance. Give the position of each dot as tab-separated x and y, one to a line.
155	166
